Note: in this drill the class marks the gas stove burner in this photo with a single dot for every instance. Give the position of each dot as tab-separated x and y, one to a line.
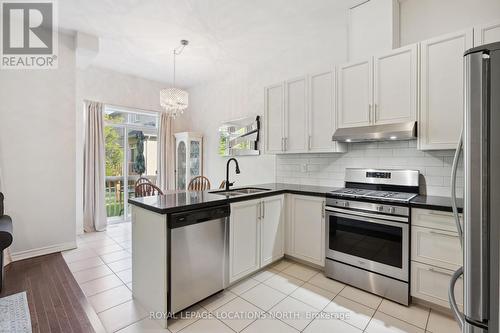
383	195
400	196
383	185
351	191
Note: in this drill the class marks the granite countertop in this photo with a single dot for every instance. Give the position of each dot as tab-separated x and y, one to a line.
178	201
435	202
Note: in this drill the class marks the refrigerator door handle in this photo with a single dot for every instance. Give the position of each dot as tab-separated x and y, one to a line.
454	188
451	297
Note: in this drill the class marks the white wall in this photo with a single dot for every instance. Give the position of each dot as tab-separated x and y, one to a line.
110	87
242	94
37	136
423	19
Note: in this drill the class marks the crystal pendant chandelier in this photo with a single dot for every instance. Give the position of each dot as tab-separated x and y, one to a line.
175	100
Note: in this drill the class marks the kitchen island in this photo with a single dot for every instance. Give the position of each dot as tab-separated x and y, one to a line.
152	223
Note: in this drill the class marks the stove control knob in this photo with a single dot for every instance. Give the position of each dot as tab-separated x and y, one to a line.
380	208
392	210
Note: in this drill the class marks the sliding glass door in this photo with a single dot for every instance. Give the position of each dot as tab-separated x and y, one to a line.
131	152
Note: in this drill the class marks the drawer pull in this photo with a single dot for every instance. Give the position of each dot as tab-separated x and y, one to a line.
442	234
433	270
440	214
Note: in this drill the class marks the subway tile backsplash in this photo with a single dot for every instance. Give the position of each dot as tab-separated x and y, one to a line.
329	169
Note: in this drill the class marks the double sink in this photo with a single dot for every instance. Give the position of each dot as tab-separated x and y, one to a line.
240	191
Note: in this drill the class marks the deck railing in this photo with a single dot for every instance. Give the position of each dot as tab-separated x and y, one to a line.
115	194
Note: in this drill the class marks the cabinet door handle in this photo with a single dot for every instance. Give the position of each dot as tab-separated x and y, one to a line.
309	142
323	210
375	111
285	140
282	144
370	113
263	204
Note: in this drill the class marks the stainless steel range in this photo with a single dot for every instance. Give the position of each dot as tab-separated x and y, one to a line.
367	230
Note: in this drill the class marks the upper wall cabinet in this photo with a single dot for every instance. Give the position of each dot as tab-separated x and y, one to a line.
322	113
382	90
442	90
355	94
301	115
296	115
274	114
395	86
488	33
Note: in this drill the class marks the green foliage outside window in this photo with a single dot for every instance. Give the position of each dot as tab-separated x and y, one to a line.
113	148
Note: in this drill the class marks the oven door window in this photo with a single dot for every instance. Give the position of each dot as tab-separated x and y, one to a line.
368	240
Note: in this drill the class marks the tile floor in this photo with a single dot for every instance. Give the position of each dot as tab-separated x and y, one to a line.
286	297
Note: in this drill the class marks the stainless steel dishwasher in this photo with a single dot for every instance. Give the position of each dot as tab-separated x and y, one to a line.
198	247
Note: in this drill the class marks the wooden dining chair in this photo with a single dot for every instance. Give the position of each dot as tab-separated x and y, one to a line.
199	183
147	189
143	180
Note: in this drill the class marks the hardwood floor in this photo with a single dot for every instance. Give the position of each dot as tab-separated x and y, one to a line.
56	302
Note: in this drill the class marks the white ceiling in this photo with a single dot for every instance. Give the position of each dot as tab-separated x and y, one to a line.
137	36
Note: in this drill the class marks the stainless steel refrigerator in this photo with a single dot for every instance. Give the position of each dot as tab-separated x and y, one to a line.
481	222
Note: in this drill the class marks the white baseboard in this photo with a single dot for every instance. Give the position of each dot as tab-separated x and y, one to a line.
16	256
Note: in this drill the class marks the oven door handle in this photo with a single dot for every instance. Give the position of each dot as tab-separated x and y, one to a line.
360	215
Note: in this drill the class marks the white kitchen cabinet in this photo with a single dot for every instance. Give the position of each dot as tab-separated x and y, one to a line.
322	113
300	115
436	247
274	118
306	221
272	230
256	235
487	33
296	115
431	283
244	239
442	90
355	94
381	90
395	86
434	219
435	255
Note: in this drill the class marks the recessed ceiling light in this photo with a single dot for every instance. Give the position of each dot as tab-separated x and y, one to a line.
348	140
393	137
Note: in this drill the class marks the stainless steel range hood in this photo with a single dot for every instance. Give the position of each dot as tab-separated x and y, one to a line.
388	132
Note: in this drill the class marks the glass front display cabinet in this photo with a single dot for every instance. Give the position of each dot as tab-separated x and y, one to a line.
188	158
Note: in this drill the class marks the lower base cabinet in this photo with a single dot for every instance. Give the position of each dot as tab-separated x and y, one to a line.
306	228
256	235
431	283
272	225
244	239
435	255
